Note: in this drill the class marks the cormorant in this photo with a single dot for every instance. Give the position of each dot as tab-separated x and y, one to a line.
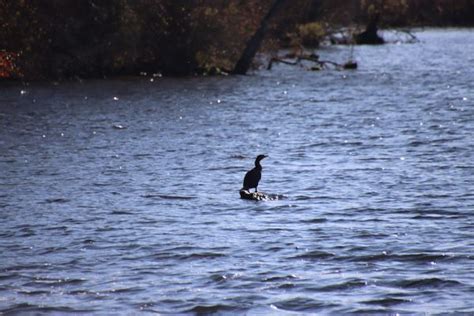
253	176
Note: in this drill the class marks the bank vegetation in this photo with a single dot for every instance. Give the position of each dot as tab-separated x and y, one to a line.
96	38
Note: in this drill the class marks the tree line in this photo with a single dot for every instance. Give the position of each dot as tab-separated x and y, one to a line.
44	39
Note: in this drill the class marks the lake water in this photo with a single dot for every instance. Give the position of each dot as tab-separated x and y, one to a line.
121	196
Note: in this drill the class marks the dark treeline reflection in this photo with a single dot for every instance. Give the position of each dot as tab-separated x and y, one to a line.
94	38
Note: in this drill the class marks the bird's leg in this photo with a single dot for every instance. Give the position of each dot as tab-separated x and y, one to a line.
256	190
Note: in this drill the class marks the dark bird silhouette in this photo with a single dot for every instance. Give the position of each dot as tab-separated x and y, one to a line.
253	176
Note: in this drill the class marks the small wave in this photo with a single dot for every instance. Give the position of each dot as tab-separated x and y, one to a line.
327	197
168	197
413	258
30	309
434	195
300	304
122	213
220	278
435	212
354	143
434	217
49	250
127	290
314	221
34	292
53	228
372	311
119	126
56	200
318	144
210	309
387	301
26	232
21	267
366	234
82	292
270	230
97	184
226	168
8	160
422	257
9	276
181	249
417	143
302	198
202	255
347	285
427	283
141	155
190	256
464	167
280	278
54	282
239	157
314	255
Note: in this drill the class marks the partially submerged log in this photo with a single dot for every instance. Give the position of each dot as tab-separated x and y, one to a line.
318	64
258	196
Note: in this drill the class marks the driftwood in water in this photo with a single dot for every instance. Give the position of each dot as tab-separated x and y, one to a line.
255	41
258	196
317	63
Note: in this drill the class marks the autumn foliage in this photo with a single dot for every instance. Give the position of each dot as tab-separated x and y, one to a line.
8	68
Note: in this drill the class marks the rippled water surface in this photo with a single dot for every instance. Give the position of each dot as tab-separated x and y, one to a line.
120	196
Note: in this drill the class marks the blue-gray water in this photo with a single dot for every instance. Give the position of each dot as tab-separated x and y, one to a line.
121	196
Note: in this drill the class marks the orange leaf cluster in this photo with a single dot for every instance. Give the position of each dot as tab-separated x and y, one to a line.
8	68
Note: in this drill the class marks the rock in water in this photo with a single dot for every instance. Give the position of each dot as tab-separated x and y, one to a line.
257	196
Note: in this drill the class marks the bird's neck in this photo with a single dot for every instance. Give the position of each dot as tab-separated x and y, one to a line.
258	165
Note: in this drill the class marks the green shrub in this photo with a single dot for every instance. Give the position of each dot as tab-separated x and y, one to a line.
311	34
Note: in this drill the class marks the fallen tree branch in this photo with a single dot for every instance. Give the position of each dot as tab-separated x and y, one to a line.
321	64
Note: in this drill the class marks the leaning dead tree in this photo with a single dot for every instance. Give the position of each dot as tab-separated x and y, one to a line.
245	61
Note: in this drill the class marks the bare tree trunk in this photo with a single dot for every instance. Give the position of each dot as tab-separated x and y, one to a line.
255	41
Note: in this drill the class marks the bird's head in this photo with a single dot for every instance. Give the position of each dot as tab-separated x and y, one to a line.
260	157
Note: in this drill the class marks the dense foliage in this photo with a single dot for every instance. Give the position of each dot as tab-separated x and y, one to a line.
68	38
